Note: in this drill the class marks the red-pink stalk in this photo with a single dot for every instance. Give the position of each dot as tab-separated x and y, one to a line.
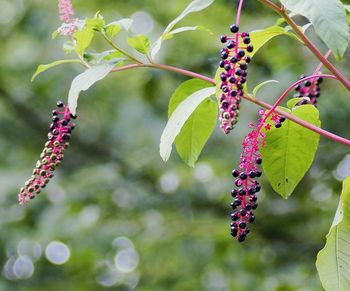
289	89
249	98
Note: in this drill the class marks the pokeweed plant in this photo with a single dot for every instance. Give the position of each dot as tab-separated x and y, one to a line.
282	142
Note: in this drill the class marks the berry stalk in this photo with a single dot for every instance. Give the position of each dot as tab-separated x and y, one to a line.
52	155
281	11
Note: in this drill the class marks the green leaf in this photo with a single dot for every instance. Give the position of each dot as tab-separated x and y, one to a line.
54	34
178	119
199	126
328	18
83	39
84	81
260	37
43	68
194	6
292	102
84	36
141	43
113	28
258	87
110	56
333	261
289	151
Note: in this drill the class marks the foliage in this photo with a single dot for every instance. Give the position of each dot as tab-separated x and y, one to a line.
114	166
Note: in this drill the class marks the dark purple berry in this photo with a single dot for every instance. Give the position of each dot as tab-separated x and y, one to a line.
250	48
246	40
241	238
59	104
223	38
242	224
235	173
234	28
241	53
252	174
243	176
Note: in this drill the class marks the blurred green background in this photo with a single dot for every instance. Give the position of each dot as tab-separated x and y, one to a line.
115	217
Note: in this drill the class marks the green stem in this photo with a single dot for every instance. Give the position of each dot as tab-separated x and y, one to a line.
308	43
297	120
130	57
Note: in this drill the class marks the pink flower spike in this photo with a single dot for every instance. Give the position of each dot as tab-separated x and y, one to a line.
65	10
66	13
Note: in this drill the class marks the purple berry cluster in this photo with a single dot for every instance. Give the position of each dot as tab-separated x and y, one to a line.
247	186
310	89
234	61
52	155
245	198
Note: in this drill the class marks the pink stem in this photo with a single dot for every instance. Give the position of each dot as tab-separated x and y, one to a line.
239	10
319	67
281	11
290	88
261	103
238	20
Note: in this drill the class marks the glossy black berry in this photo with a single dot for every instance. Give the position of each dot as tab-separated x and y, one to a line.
233	93
223	38
237	202
243	176
235	173
224	55
250	48
252	174
241	53
242	224
234	216
241	238
251	219
243	66
230	45
234	193
242	192
234	28
259	161
248	207
234	232
246	40
59	104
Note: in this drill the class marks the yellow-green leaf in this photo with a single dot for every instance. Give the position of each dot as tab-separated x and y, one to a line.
43	68
333	261
141	43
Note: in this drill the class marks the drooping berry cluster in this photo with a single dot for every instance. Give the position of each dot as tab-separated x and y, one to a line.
247	186
310	89
234	61
52	155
